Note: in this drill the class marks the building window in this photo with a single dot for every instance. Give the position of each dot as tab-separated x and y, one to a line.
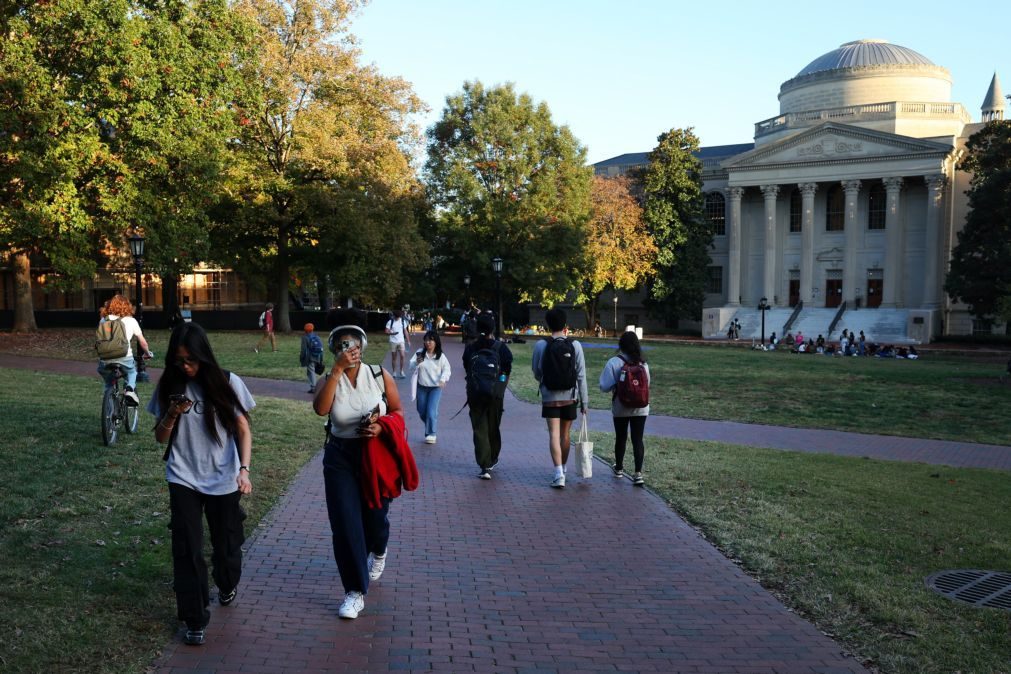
716	213
714	282
796	214
835	209
877	203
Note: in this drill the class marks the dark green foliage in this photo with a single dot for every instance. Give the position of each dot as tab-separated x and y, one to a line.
674	216
980	273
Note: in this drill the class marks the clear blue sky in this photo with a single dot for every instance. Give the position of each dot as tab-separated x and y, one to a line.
620	73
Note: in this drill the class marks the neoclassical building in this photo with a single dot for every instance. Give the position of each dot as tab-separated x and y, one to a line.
843	212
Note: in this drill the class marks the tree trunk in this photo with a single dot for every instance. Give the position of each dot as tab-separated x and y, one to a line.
170	298
282	321
24	309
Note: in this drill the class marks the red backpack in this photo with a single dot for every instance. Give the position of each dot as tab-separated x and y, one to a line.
633	384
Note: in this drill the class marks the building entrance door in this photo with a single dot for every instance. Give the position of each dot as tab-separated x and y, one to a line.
874	288
833	292
794	292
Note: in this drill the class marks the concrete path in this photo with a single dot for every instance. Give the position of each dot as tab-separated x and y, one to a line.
509	575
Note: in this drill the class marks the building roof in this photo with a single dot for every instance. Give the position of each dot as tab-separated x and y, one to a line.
865	53
994	99
708	152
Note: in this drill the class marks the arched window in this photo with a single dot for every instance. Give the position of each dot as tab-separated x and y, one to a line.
796	214
716	213
877	205
835	209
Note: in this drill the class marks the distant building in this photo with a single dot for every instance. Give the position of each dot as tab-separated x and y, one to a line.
849	199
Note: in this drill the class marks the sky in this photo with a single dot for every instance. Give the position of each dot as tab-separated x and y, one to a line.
619	74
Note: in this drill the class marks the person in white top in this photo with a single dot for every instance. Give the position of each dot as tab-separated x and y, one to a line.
431	368
120	308
400	341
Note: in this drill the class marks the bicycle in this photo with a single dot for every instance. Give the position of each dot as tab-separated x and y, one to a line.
116	412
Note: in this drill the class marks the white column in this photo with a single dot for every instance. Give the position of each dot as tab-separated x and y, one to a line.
850	281
807	191
932	242
891	295
769	280
734	246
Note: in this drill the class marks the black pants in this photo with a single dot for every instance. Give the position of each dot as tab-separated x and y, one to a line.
621	425
189	569
357	530
485	420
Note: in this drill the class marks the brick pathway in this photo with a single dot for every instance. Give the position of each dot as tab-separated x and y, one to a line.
512	576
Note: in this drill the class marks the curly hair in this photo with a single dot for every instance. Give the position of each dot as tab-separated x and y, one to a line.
120	306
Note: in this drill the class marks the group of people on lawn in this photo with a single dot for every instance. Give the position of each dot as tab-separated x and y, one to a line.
850	344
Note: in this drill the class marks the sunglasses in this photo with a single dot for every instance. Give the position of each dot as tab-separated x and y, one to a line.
187	360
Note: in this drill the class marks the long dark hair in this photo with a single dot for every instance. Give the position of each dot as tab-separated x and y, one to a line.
221	403
433	335
629	344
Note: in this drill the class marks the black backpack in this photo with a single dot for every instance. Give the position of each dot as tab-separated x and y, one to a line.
484	376
558	365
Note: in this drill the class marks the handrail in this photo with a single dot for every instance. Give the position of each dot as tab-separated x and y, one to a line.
835	321
796	312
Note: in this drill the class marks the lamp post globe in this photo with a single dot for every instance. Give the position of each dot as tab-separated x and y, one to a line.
466	290
496	265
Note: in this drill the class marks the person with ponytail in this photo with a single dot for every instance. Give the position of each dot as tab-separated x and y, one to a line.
203	415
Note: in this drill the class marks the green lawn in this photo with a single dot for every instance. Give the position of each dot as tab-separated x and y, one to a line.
848	543
85	583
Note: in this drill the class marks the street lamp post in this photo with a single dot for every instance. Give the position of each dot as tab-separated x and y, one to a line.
763	306
466	289
137	250
616	313
496	265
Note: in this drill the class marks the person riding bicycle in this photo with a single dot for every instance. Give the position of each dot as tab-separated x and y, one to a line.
120	308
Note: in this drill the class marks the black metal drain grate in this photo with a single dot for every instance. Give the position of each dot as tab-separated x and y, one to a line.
991	589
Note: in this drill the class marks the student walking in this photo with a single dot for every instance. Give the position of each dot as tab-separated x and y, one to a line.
400	341
622	377
203	415
558	365
310	355
430	371
488	363
366	459
267	325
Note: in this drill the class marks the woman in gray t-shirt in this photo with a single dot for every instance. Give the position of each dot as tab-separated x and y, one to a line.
203	415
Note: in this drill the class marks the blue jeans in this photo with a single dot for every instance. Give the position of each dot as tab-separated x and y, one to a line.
129	369
428	407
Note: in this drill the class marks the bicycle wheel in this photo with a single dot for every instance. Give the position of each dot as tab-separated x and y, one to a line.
109	430
130	416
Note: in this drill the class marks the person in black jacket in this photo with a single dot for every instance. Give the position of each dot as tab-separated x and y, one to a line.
486	411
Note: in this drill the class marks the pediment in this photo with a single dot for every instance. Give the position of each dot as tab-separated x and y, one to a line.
835	142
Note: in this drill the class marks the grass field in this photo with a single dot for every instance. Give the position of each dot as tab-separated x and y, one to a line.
944	397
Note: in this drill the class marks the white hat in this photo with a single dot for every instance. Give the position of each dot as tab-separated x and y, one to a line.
343	330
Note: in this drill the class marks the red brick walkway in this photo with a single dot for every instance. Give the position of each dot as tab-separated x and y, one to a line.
507	575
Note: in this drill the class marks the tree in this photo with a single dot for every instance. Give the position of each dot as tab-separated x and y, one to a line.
980	271
506	182
674	215
620	253
323	183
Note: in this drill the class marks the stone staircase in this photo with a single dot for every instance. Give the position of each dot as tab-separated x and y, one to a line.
814	322
751	323
884	326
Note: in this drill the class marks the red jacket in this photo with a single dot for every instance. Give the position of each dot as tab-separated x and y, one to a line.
387	463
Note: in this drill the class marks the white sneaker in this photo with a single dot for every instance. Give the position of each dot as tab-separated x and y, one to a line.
376	565
353	604
131	398
558	482
429	439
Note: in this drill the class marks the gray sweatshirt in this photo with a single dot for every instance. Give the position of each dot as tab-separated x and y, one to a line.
579	393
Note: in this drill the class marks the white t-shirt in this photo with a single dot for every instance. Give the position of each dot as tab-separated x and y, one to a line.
132	328
396	328
196	460
351	403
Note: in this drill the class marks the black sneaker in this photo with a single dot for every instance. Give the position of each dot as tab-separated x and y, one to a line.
226	598
484	475
618	472
194	637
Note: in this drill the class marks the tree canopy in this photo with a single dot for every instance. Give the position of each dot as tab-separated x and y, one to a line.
674	216
980	271
620	253
505	181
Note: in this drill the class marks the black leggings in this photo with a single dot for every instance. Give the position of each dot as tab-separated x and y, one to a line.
621	425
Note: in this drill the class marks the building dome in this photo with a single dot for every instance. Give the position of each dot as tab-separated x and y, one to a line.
865	72
865	53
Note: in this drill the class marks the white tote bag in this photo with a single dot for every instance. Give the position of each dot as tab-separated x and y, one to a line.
584	451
